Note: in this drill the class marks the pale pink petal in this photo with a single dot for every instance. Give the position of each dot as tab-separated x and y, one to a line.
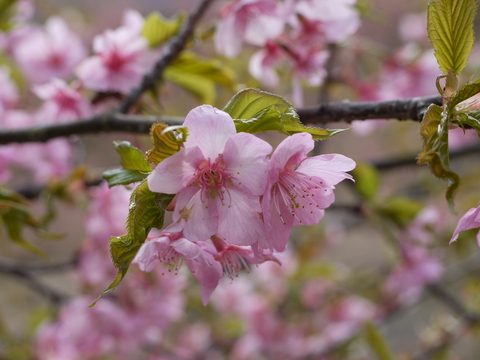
470	220
331	168
151	250
175	172
93	73
246	156
198	215
240	222
202	264
291	151
264	28
279	223
209	129
229	36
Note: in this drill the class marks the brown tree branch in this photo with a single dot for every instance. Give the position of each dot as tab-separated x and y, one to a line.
170	53
326	113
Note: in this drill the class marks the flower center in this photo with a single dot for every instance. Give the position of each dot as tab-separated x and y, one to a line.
297	192
213	178
114	61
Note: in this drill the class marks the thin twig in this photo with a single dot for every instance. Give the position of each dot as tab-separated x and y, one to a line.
322	114
170	53
411	159
453	303
55	296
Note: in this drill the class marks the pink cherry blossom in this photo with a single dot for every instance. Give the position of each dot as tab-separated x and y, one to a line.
471	220
9	94
123	57
418	268
49	53
342	322
299	188
253	21
172	248
62	103
84	333
218	176
338	18
235	258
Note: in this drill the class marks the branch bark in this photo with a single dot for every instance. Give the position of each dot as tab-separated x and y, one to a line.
170	53
405	109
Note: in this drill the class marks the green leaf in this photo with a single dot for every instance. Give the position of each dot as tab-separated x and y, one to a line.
167	140
203	88
366	180
450	29
199	76
7	10
256	111
116	177
131	158
377	342
464	93
434	131
401	210
146	211
15	215
157	29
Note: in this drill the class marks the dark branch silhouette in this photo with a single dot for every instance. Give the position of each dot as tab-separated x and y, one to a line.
170	53
406	109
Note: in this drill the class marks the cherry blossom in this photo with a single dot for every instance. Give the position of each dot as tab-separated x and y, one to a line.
123	57
338	19
471	220
218	177
172	248
52	52
84	333
299	188
418	268
62	103
253	21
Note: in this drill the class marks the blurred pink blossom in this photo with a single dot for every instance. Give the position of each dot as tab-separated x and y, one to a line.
343	321
413	28
299	188
50	52
338	19
122	58
253	21
9	94
84	333
417	268
62	103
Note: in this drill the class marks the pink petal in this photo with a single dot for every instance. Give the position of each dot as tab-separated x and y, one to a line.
149	252
209	129
239	218
291	151
199	216
470	220
331	168
246	156
229	36
176	172
202	264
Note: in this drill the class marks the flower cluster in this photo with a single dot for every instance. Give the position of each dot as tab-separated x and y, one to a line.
295	31
233	203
